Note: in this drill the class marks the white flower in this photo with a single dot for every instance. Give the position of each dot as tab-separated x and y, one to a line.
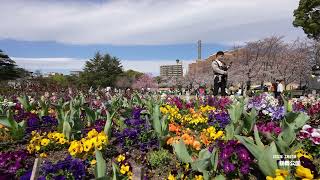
305	127
315	134
265	112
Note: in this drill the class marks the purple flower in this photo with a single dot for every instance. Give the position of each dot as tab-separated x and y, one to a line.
136	113
277	112
228	167
243	154
74	166
222	118
26	176
33	122
245	169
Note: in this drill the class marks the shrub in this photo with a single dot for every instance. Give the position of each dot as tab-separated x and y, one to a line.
160	157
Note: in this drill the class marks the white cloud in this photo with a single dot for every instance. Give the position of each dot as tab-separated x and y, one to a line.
146	21
66	65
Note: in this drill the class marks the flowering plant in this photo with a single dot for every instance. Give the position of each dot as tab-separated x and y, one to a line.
310	137
86	146
234	158
124	166
138	132
44	142
69	169
12	161
267	105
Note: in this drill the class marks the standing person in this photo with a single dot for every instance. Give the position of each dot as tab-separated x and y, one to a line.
279	88
220	74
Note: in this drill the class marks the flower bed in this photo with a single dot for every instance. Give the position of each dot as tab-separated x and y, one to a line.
87	136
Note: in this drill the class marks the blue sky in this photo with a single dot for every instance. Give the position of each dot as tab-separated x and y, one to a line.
62	35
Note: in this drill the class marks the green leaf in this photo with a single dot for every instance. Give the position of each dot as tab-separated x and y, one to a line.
101	165
156	120
235	112
107	127
249	120
91	115
257	138
301	120
214	159
229	132
220	177
204	154
250	145
266	162
200	165
114	169
25	103
66	129
205	175
5	122
182	152
286	137
22	124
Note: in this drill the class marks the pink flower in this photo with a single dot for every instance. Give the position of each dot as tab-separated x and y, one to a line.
304	134
315	140
308	128
277	130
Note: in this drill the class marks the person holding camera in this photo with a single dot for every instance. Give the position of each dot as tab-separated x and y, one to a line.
220	74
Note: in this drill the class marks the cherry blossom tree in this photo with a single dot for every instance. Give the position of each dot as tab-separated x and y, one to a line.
145	81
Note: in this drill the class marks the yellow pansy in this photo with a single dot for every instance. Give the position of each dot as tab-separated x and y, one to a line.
50	135
92	133
45	142
87	145
121	158
30	148
281	174
198	177
303	172
43	155
124	169
276	178
62	141
301	153
37	148
93	162
171	177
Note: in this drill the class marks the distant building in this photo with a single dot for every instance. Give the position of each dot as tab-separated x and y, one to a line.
75	73
175	70
49	74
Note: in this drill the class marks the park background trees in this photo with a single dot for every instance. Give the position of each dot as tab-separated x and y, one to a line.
9	69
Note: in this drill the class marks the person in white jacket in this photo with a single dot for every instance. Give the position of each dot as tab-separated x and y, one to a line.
280	88
220	74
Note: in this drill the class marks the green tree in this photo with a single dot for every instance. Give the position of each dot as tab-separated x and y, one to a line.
9	69
60	80
307	16
101	70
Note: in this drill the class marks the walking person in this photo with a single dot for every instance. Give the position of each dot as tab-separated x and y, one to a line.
220	74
